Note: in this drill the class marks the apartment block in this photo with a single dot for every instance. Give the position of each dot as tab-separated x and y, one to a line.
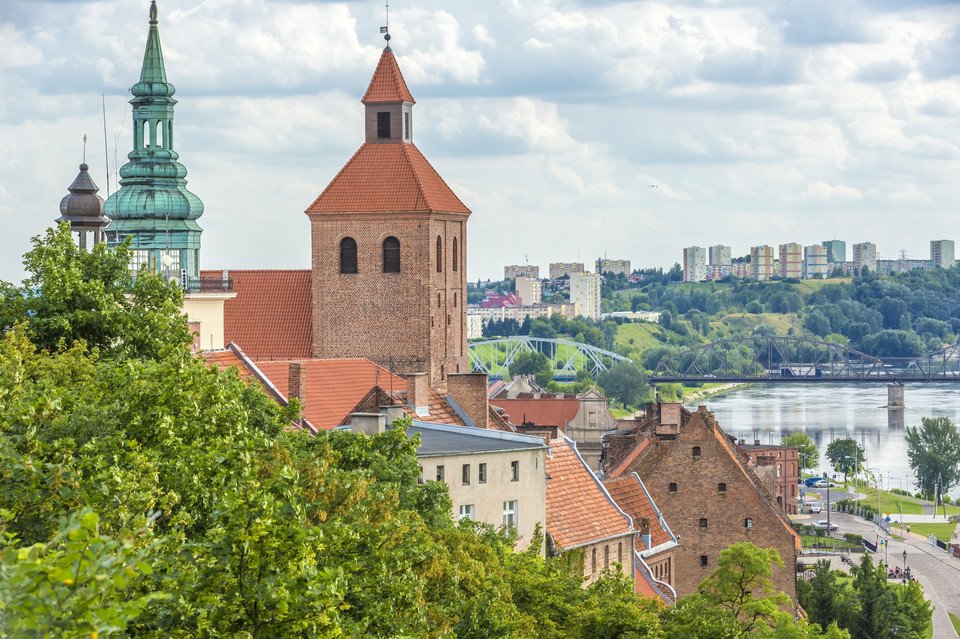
615	267
761	262
815	261
559	269
791	260
864	254
585	293
694	264
720	255
520	313
529	290
836	251
941	253
514	271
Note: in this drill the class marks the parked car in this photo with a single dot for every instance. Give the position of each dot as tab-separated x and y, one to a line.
823	524
810	481
813	507
823	483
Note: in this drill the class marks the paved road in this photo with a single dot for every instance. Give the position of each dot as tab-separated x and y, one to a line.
938	573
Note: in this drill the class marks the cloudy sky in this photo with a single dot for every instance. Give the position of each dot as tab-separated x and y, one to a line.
761	121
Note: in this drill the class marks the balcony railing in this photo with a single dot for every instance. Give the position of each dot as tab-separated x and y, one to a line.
208	285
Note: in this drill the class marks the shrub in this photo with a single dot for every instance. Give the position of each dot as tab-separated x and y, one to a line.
852	538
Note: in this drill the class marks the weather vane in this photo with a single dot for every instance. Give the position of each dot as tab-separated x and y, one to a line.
84	148
386	29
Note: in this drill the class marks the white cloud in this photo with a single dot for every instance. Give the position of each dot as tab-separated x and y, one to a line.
823	191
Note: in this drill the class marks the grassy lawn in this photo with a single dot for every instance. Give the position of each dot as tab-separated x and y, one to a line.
955	620
890	502
944	531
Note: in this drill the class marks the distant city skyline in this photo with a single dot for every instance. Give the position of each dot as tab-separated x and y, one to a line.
756	123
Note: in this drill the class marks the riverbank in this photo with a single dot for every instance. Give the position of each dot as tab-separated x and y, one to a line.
711	390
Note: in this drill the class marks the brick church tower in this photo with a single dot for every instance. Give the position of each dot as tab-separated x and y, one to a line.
389	242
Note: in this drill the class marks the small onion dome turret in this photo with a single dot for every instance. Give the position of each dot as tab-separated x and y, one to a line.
83	208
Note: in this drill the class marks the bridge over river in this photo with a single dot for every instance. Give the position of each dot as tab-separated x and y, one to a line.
793	360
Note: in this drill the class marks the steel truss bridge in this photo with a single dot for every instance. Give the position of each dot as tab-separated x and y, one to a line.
494	356
800	360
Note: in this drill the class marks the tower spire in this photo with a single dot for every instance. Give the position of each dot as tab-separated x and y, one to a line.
153	205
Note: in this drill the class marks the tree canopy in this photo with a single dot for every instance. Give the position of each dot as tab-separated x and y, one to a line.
933	451
846	455
809	453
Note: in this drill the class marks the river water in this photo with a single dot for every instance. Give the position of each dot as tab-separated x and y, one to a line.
827	412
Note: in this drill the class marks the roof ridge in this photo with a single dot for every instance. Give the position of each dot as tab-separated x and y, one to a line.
437	173
422	195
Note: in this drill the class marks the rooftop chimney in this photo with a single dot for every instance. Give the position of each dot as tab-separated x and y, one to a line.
469	391
295	381
391	413
367	423
418	390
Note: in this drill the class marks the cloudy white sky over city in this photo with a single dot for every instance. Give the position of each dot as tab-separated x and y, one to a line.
760	122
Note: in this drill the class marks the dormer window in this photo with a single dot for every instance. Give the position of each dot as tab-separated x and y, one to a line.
383	124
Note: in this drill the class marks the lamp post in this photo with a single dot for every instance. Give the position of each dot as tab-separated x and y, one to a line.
856	473
904	566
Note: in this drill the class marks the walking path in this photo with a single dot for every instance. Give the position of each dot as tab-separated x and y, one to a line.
936	571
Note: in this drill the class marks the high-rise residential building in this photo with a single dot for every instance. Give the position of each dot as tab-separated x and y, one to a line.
616	267
836	251
514	271
864	254
529	290
815	261
559	269
720	255
791	260
941	253
761	262
694	264
585	293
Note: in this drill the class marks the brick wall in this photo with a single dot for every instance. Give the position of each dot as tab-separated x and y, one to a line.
407	322
469	391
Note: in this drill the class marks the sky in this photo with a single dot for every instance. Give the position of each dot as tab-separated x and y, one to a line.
571	129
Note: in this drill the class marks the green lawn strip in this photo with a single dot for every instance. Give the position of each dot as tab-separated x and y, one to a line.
955	620
944	531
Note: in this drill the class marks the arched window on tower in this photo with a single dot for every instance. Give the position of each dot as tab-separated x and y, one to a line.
439	255
455	256
160	137
146	134
348	255
391	255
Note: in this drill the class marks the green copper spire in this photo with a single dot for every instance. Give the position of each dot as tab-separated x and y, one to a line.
153	205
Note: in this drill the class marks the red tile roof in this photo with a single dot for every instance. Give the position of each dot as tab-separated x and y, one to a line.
225	359
630	496
627	459
579	509
548	411
441	412
384	178
271	315
331	387
387	83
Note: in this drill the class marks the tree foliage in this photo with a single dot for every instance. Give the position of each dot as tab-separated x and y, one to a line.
625	383
933	451
846	455
809	453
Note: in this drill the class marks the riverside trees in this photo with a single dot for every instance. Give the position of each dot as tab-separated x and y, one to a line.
933	450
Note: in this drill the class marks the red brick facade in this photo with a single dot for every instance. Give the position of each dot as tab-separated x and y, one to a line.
707	493
408	321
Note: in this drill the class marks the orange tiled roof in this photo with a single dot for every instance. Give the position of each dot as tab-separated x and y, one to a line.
632	499
331	387
542	412
225	359
384	178
579	509
440	410
387	83
271	315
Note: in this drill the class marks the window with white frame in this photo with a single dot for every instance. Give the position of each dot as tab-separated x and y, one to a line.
510	514
138	258
467	511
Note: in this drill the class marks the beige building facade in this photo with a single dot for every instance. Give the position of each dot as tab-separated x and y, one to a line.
791	260
529	290
761	262
559	269
585	293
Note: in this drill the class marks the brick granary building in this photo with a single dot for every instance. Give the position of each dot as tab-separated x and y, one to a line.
389	248
706	489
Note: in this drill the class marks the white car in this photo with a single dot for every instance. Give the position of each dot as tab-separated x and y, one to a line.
823	524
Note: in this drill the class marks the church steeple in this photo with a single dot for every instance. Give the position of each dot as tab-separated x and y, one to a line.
389	104
153	205
83	208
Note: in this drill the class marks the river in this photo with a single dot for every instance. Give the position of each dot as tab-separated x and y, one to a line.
827	412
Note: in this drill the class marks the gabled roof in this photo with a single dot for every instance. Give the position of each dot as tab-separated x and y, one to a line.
646	585
634	452
331	387
546	411
271	315
445	439
579	509
632	497
387	83
387	178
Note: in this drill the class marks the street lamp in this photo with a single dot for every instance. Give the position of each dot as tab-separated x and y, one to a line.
905	567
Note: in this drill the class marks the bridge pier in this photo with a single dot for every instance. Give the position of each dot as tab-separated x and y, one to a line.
895	396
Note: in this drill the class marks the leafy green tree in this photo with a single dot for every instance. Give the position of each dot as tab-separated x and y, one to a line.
532	363
625	383
809	453
845	456
72	295
825	599
933	451
743	584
